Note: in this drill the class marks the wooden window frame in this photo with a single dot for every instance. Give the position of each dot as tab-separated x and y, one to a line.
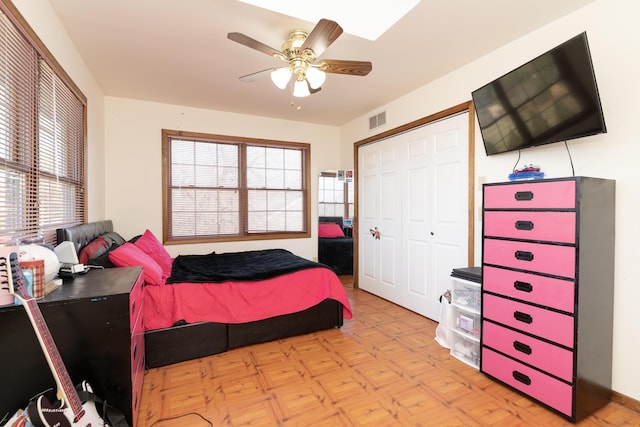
243	235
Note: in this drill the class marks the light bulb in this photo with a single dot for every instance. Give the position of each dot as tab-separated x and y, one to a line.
300	89
315	77
280	77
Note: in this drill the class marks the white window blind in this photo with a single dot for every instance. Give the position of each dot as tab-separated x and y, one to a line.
42	134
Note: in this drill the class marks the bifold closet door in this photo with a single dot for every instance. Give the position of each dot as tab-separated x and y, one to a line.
413	190
380	222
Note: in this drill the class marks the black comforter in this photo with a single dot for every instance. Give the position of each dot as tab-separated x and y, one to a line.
237	266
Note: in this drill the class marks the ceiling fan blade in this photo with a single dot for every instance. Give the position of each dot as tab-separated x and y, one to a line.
254	44
256	76
323	34
312	90
339	66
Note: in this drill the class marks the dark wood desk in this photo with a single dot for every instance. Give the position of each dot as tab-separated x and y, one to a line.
96	322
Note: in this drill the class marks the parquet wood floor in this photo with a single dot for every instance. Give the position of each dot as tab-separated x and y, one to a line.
382	368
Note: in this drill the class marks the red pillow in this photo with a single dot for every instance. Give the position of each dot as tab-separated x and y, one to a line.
93	249
128	255
329	229
151	246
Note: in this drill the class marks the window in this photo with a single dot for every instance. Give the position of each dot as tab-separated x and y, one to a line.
230	188
335	195
42	137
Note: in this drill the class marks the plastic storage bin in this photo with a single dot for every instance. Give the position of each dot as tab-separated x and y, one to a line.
464	316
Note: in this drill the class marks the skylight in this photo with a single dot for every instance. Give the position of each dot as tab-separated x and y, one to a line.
368	19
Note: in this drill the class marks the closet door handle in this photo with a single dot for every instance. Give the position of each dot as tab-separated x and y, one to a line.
523	317
524	195
519	376
524	225
522	347
522	286
524	255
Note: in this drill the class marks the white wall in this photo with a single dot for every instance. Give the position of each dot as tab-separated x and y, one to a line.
43	20
613	38
134	177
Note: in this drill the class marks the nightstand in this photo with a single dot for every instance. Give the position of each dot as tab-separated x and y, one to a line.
97	324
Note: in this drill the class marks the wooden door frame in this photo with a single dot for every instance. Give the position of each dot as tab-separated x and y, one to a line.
457	109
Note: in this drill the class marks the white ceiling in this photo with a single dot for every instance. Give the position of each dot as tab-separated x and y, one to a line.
177	51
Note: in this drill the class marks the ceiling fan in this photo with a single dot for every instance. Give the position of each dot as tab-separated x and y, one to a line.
301	51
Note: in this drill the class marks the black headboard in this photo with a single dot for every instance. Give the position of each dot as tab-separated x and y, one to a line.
333	219
82	234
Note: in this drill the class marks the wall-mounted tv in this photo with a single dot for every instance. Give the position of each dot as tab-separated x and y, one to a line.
551	98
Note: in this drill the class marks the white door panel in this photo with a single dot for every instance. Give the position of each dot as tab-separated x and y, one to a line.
413	188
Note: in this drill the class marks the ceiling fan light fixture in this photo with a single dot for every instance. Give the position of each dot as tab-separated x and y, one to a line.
315	77
301	89
281	77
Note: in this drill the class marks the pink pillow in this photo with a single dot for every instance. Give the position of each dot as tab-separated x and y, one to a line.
151	246
329	229
128	255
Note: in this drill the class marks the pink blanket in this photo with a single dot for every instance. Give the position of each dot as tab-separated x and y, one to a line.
240	302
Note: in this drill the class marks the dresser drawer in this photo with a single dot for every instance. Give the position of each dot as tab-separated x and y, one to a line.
547	357
137	355
533	320
538	257
549	226
136	298
541	290
531	195
536	384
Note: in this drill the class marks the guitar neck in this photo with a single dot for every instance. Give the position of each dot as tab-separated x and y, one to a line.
66	390
18	287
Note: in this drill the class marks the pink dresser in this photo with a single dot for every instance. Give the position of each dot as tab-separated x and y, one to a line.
547	290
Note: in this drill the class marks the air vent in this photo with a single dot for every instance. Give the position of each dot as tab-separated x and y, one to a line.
377	120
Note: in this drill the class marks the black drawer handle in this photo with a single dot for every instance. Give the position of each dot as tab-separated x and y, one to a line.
523	317
133	307
135	351
524	195
519	376
522	347
522	286
524	225
524	255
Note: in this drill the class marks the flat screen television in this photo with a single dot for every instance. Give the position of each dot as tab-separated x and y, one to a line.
551	98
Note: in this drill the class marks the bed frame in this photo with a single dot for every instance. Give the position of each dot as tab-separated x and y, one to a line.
336	252
191	341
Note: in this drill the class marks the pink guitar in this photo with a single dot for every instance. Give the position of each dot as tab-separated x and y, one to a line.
69	410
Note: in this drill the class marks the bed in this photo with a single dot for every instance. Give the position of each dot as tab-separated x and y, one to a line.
334	248
188	316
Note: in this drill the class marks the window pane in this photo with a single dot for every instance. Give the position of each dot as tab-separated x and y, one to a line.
256	178
276	200
206	176
293	159
295	201
295	221
183	175
275	178
228	177
276	221
182	152
275	158
292	179
205	154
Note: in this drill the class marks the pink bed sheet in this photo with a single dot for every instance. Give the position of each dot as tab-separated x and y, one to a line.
240	302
